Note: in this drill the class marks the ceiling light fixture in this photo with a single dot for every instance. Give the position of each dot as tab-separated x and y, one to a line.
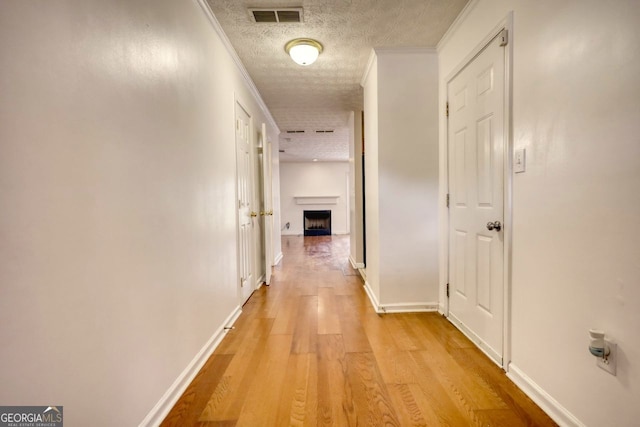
303	51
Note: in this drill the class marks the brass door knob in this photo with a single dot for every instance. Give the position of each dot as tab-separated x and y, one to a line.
494	226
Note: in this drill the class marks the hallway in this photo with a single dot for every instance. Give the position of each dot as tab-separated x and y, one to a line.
310	350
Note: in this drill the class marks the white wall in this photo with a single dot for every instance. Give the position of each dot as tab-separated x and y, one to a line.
259	260
371	188
576	209
275	182
257	177
313	179
117	187
356	233
402	176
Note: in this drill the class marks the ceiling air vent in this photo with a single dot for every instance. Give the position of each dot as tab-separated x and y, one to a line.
295	131
287	15
324	131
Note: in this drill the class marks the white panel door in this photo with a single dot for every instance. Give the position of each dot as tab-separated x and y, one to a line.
267	208
245	213
476	142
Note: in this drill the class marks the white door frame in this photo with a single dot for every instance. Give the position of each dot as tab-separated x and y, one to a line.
505	24
267	202
250	179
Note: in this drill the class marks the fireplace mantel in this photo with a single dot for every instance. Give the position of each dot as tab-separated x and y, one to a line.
316	200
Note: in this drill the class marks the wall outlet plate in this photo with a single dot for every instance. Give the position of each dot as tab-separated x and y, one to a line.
609	364
520	160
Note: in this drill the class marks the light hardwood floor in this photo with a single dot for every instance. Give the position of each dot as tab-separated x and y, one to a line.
310	350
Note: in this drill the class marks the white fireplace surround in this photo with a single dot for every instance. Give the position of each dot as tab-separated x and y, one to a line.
314	186
316	200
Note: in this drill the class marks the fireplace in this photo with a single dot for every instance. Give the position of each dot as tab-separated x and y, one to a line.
317	223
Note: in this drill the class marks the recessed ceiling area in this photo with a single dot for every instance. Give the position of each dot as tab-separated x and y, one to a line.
320	96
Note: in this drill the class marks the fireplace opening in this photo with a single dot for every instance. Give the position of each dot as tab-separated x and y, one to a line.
317	223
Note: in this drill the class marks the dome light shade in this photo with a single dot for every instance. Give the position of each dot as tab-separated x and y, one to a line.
303	51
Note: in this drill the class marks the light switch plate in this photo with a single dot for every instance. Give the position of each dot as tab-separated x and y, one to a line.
519	163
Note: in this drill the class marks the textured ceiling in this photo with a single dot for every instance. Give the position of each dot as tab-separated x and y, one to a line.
320	96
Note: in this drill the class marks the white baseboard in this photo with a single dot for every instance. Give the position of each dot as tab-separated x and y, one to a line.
168	401
356	265
278	258
371	295
401	307
475	338
555	410
259	282
409	307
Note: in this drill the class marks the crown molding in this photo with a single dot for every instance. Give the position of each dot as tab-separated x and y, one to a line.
367	70
404	50
376	51
236	59
456	23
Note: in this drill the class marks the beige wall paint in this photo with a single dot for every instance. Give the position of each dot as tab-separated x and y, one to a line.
277	213
356	246
371	191
117	185
401	93
576	208
259	261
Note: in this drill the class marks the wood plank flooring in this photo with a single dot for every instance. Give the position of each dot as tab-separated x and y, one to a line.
309	350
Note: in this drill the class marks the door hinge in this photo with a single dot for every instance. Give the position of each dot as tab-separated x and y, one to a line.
447	290
504	37
447	109
447	199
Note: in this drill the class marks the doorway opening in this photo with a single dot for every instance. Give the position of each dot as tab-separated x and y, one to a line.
478	198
